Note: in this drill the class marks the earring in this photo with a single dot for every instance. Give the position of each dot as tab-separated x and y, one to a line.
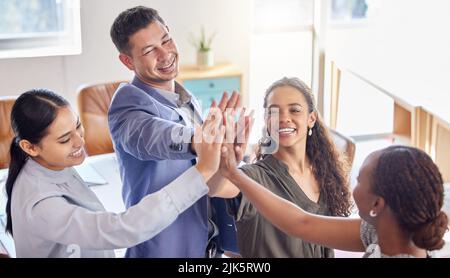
372	213
265	141
310	132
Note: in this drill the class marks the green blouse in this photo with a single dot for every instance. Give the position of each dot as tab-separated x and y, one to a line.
256	236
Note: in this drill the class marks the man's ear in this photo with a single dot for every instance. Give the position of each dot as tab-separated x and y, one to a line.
312	119
29	148
127	61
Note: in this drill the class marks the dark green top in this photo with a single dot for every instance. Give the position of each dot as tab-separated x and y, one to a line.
256	236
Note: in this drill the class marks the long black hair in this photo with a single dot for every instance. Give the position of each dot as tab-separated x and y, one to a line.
31	115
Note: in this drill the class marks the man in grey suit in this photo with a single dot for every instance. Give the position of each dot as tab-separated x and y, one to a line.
151	122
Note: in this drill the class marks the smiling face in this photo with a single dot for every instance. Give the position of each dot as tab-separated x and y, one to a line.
153	56
289	106
63	146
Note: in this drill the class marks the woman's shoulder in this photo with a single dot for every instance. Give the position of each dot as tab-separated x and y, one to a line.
258	170
33	184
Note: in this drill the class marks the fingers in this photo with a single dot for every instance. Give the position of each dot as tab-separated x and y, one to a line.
230	103
239	153
230	127
240	126
234	101
198	134
220	135
244	127
214	116
239	101
223	101
249	121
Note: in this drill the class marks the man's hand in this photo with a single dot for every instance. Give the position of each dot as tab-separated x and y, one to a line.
234	102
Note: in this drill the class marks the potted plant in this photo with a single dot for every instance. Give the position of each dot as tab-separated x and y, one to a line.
205	55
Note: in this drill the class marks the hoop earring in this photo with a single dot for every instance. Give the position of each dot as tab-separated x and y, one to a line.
310	132
372	213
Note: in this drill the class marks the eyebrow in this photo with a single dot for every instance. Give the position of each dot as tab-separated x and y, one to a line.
151	45
290	104
67	133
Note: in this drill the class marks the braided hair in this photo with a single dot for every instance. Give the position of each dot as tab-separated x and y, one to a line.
412	187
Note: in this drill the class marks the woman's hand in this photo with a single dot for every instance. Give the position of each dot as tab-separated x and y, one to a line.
208	140
230	151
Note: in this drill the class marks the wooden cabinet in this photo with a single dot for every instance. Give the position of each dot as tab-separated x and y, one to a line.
208	85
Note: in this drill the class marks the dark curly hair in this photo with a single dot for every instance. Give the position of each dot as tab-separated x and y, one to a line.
412	187
329	167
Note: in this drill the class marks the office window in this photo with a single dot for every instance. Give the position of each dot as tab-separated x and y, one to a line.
39	28
347	11
275	15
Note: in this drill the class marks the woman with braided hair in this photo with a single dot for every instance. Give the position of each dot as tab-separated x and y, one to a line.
399	196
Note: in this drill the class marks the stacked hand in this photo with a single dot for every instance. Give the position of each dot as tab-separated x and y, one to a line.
231	152
208	140
221	119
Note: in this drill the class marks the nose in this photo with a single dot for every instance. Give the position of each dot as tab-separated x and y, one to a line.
163	54
284	116
78	140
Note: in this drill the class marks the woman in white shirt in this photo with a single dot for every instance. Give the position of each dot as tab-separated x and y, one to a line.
52	213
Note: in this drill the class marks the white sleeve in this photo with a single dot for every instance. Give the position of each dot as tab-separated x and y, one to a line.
55	219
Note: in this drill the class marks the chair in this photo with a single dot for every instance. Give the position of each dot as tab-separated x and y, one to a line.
6	133
93	105
345	145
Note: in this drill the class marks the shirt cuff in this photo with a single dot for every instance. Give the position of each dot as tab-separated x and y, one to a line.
185	190
182	144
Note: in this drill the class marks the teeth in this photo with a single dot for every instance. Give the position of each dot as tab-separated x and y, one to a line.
77	153
286	130
169	65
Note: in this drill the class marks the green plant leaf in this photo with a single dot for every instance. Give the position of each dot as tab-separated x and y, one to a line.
203	43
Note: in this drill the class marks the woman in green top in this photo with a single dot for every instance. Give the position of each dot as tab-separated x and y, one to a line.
306	170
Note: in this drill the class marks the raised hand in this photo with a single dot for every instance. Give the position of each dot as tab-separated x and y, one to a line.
229	151
243	130
207	140
244	123
225	103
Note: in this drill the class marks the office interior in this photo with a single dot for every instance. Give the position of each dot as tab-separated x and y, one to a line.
378	69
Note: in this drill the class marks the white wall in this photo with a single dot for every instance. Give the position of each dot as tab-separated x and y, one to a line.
409	40
401	33
98	61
